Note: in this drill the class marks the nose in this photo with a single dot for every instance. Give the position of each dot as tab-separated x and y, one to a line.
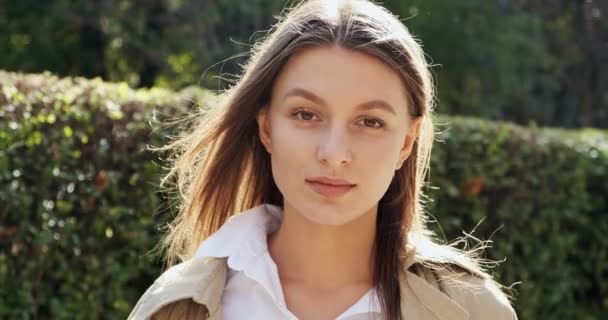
334	148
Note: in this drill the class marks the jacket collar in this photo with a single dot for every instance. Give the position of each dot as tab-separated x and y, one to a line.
201	279
208	291
420	300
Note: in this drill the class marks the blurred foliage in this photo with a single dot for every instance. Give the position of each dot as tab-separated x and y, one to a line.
516	60
540	195
80	209
79	198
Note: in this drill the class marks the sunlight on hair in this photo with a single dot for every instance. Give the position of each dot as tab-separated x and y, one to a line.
331	8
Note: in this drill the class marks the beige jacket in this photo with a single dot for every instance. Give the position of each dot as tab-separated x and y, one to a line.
200	282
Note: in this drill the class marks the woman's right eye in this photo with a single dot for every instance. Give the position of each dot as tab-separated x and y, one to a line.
304	115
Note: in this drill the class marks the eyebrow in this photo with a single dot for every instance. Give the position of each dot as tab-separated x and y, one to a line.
368	105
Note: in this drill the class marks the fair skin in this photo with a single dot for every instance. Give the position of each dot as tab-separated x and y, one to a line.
320	122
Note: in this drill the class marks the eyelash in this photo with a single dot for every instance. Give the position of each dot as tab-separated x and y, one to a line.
380	124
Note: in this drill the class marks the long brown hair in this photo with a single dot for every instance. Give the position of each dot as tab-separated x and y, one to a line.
221	168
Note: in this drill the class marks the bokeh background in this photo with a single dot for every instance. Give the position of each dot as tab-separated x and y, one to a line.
86	87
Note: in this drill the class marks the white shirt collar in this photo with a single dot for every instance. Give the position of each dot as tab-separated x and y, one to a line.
243	240
243	237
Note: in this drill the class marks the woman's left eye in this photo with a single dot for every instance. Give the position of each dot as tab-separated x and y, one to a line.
373	123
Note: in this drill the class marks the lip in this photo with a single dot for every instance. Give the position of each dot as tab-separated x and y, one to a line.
330	181
330	188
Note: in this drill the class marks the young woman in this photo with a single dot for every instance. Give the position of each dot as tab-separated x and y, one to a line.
321	148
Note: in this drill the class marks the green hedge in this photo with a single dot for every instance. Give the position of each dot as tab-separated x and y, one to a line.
80	208
79	201
543	197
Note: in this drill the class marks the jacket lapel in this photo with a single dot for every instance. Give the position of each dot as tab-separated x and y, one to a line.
201	279
420	300
210	287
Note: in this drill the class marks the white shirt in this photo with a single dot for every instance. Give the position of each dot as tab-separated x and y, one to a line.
253	289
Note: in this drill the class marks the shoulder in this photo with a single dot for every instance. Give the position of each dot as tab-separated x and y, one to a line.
453	273
481	297
190	270
478	294
191	283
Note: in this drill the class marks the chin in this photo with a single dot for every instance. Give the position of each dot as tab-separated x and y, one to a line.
328	213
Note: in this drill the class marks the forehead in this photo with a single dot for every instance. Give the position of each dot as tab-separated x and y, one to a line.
341	76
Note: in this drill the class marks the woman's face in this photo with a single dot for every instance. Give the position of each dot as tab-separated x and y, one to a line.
340	114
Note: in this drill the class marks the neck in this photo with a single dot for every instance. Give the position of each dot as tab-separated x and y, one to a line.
324	257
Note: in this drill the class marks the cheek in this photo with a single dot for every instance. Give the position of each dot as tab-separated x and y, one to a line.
292	152
379	153
377	162
289	143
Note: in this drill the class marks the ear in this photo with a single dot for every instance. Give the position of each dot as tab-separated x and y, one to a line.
410	138
264	127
